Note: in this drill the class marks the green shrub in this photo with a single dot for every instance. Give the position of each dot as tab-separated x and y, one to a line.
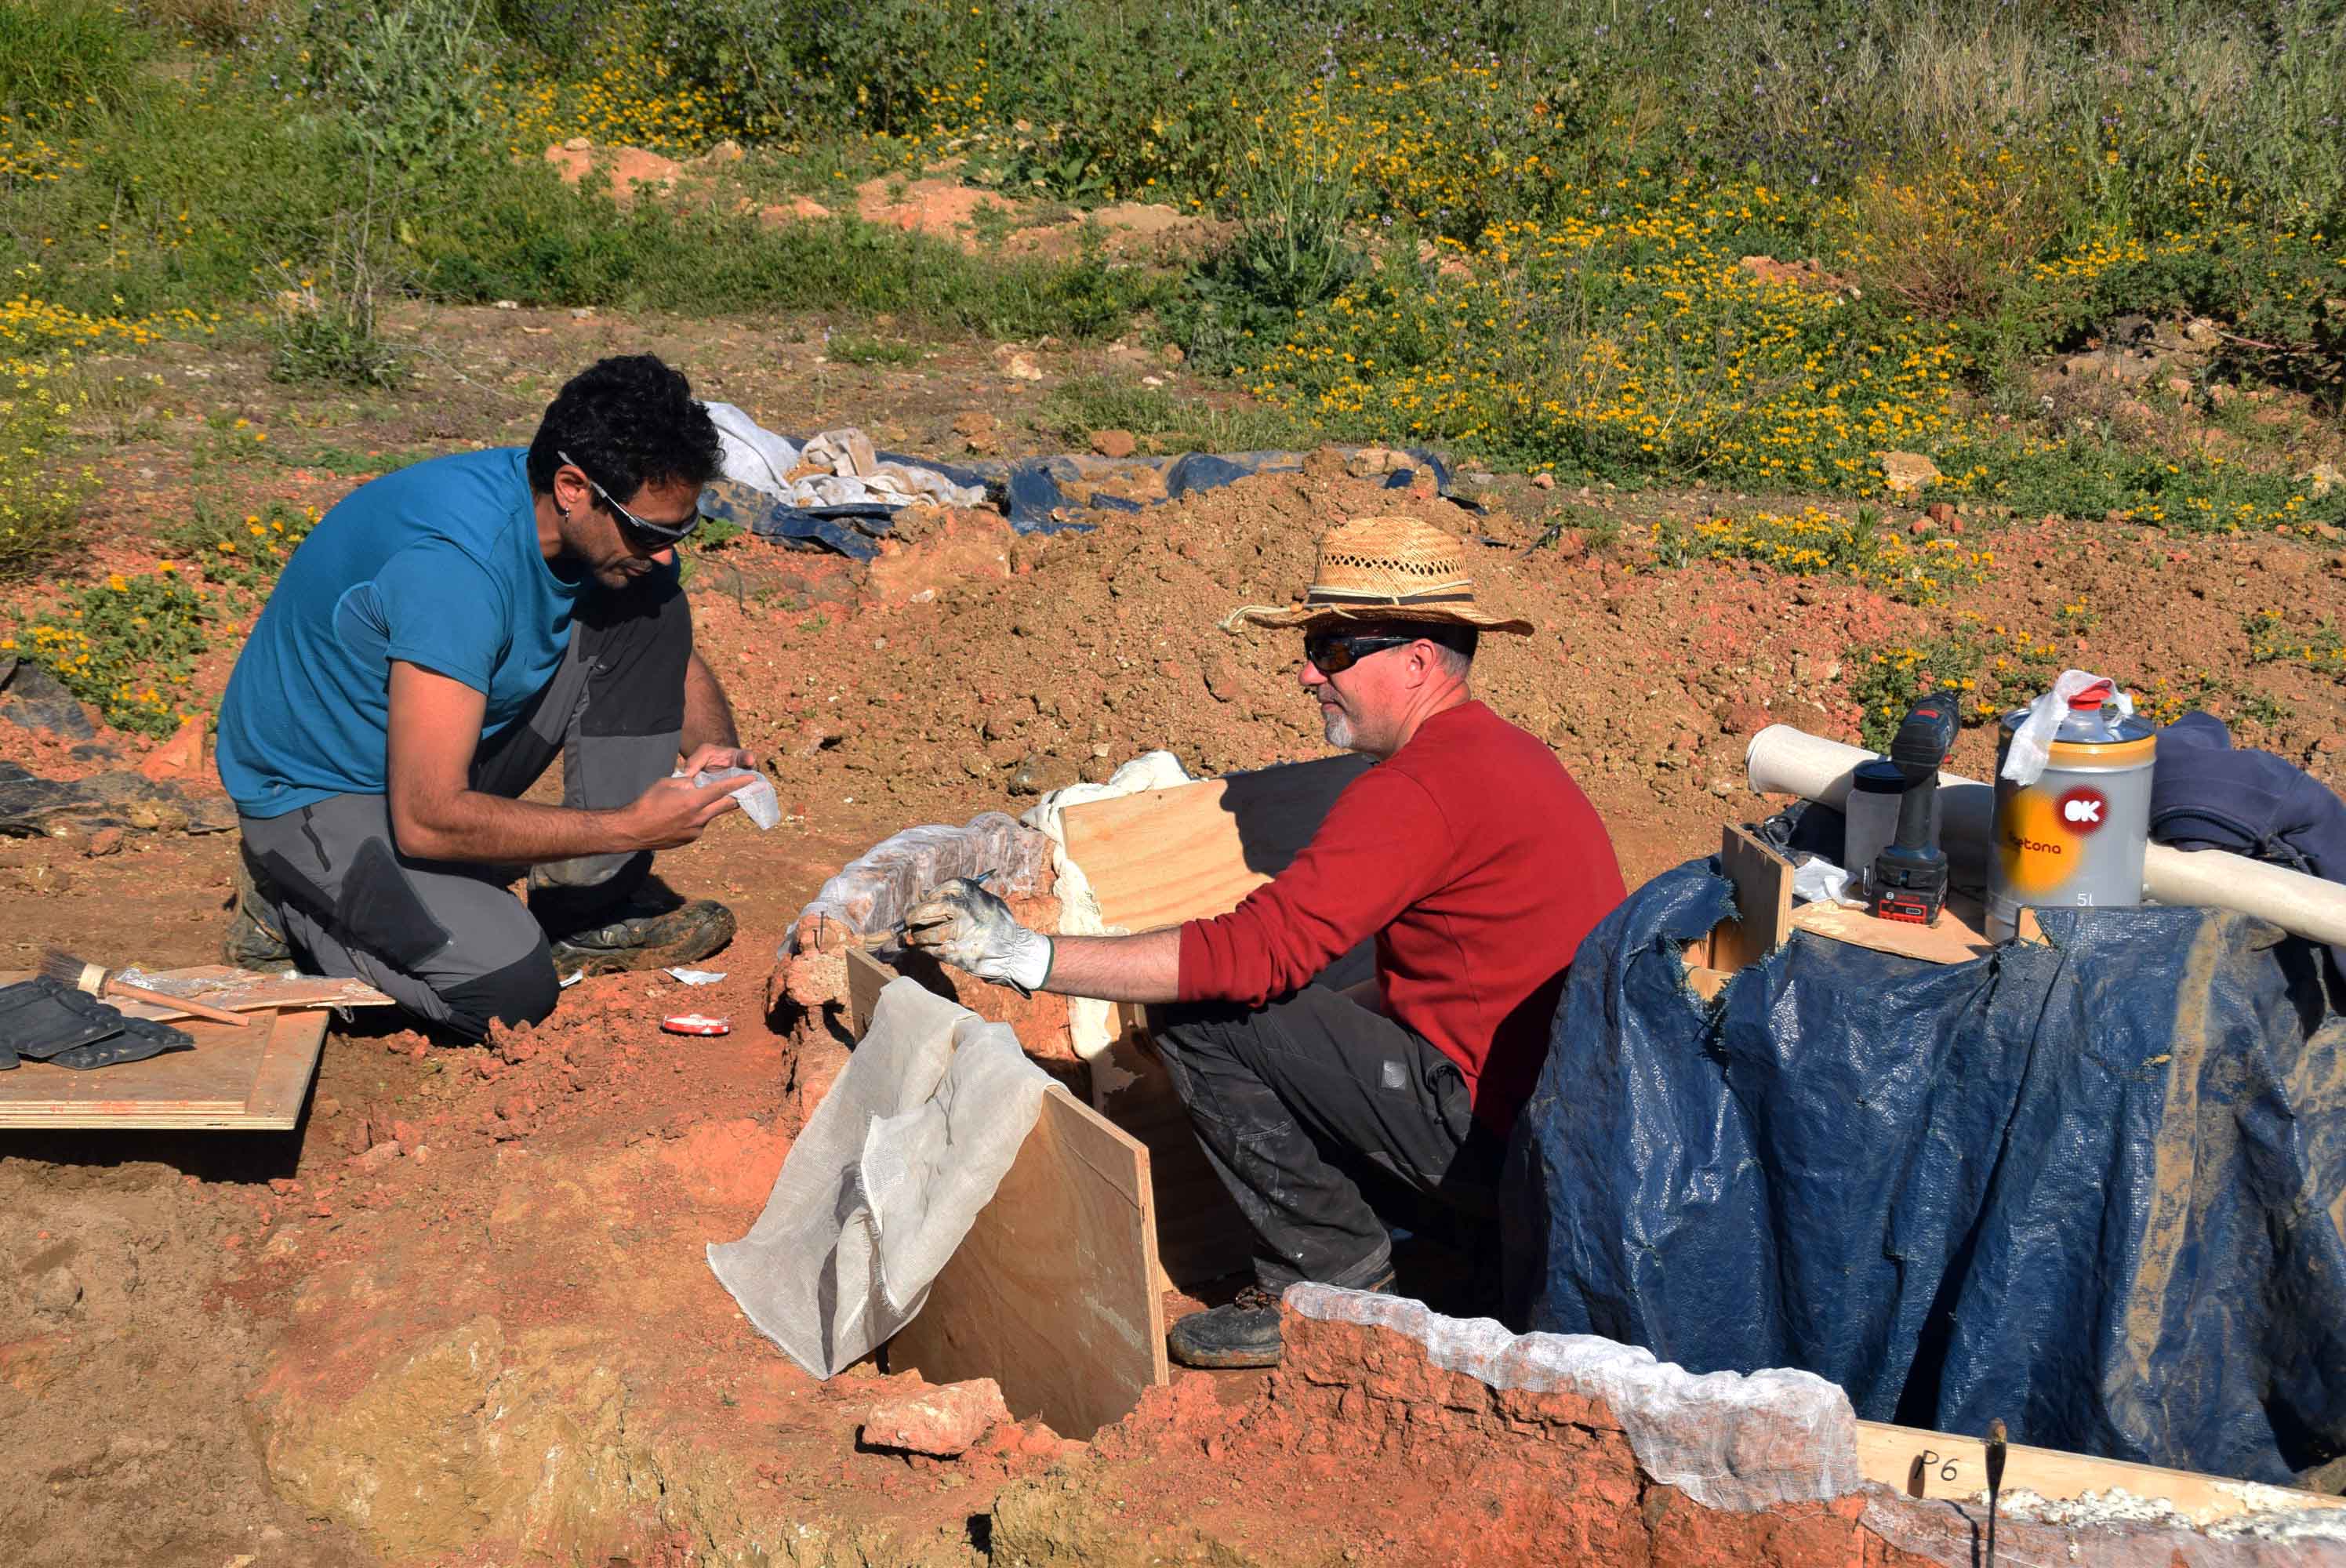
415	77
1816	542
335	340
1992	671
245	553
129	646
61	59
41	495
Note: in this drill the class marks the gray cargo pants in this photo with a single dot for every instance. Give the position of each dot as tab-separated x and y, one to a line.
1292	1099
451	941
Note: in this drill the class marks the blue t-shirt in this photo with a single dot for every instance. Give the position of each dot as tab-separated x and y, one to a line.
438	564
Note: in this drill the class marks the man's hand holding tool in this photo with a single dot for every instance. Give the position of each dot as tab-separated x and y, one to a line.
962	924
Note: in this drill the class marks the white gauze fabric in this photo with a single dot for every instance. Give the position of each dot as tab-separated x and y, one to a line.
892	1169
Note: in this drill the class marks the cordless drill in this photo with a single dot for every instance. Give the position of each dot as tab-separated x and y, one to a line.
1910	877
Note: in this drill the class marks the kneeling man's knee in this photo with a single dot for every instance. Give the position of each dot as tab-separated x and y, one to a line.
523	991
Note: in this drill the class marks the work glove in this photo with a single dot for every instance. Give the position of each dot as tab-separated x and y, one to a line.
969	928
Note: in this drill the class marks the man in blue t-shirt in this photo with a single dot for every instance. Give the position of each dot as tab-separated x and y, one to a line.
440	636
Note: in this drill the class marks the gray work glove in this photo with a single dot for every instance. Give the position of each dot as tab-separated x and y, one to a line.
969	928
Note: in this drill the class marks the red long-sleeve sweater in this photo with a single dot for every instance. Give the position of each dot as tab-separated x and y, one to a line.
1478	865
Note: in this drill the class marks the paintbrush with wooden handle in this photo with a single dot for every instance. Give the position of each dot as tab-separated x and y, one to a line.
97	981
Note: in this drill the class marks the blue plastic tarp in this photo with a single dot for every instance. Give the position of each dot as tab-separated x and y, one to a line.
2094	1187
1032	494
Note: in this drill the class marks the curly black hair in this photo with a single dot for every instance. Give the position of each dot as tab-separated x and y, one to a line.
627	420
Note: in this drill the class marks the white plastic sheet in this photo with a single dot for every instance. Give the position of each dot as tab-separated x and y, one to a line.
892	1169
2032	743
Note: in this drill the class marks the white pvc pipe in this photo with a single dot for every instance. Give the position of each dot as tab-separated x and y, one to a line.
1782	760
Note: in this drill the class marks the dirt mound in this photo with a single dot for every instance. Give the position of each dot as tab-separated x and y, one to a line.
1098	646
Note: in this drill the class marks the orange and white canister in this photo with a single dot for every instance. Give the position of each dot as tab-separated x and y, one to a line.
2075	837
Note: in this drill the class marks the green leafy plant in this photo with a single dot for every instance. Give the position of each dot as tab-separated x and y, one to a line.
245	551
1825	543
337	341
41	495
60	59
1991	669
416	76
127	646
2274	638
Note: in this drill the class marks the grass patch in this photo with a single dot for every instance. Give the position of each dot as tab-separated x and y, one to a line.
127	646
355	465
848	348
61	59
1167	423
1860	547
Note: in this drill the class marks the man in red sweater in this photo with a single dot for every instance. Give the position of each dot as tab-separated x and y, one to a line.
1470	855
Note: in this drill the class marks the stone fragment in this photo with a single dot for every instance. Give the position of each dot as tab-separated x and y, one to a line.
1018	366
1040	774
56	1292
944	1422
1115	443
181	757
1908	471
1542	482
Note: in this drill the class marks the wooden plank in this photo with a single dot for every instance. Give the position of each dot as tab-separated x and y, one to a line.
245	991
1053	1294
866	978
1193	851
1956	939
1943	1465
1764	901
251	1079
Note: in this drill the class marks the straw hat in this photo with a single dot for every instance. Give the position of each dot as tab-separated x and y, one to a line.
1385	569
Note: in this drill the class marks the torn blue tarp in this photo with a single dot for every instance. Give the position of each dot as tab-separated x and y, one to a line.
2091	1188
1032	492
1037	502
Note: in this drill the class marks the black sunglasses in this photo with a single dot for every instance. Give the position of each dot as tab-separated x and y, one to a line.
1333	652
653	534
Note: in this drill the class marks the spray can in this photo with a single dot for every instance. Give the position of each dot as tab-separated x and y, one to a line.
2076	836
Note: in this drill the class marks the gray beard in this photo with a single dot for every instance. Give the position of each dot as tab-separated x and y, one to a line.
1338	727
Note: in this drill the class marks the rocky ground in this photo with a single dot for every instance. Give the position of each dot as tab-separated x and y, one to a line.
461	1315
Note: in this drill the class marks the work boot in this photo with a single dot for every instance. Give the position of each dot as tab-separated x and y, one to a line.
1244	1333
652	928
254	939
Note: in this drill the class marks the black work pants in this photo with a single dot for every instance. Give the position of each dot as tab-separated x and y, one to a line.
450	941
1292	1099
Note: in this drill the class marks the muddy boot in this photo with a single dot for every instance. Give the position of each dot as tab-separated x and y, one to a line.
1243	1334
254	940
652	928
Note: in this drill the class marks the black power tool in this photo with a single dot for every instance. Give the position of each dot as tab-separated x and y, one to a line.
1910	877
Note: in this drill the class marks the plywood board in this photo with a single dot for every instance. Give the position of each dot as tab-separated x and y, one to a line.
251	1079
1763	901
1943	1465
1193	851
1053	1294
